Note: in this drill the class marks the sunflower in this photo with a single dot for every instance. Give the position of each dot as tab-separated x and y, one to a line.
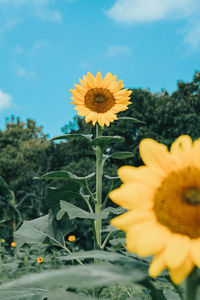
71	238
163	202
98	99
39	260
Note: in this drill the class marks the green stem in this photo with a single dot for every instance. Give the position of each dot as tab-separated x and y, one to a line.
106	239
99	173
89	191
107	196
191	286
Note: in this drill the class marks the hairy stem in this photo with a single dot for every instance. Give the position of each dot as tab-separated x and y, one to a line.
99	173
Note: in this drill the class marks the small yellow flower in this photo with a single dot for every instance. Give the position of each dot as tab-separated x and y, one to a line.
98	99
39	260
13	244
163	202
71	238
3	241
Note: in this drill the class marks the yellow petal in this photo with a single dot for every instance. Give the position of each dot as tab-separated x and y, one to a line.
152	240
77	101
82	110
107	80
130	218
196	153
130	196
176	251
134	232
195	252
91	80
116	86
90	117
142	175
179	274
181	151
158	265
99	80
77	95
80	89
101	120
156	156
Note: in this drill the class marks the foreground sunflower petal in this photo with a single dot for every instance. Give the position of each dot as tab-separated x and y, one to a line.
98	99
163	199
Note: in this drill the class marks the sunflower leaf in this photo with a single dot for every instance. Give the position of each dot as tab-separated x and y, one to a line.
87	276
104	141
111	177
120	155
131	120
68	191
77	212
88	137
65	175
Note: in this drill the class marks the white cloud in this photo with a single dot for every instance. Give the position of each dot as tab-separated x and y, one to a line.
9	24
142	11
117	50
44	9
37	46
22	72
5	100
192	36
18	49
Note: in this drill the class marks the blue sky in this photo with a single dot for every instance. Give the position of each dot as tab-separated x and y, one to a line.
46	45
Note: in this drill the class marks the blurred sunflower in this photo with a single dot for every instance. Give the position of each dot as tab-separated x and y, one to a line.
163	199
98	99
71	238
39	260
13	244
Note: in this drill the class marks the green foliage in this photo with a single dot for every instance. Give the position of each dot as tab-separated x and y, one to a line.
71	197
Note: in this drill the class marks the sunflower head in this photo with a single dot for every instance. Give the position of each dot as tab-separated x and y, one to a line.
39	260
98	99
71	238
13	245
163	199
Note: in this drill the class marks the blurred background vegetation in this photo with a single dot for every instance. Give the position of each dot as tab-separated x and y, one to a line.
25	152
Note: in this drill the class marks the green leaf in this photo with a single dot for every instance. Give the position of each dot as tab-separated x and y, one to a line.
24	294
121	155
65	175
34	231
68	191
131	120
111	177
59	294
41	230
104	141
109	228
77	212
88	137
118	241
99	254
87	276
115	210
